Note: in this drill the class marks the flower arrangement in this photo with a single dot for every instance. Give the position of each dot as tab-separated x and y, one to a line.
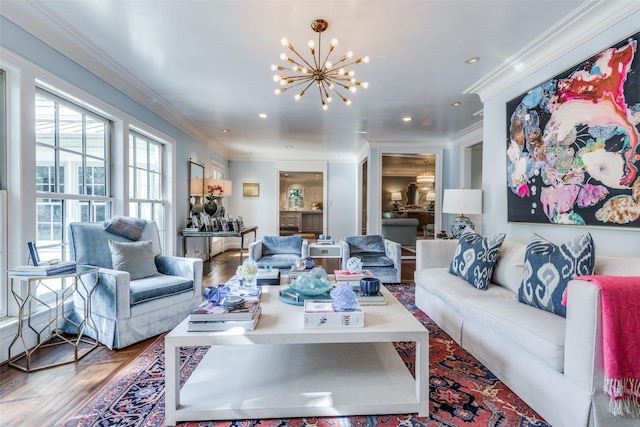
214	192
248	268
442	234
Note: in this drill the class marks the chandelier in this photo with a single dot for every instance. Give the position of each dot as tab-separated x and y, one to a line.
327	76
425	179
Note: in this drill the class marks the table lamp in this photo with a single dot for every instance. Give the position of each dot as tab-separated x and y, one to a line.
395	198
461	201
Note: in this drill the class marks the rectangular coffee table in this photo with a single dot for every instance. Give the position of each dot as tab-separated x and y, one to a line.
281	370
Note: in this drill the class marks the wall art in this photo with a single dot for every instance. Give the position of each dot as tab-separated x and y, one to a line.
572	147
250	189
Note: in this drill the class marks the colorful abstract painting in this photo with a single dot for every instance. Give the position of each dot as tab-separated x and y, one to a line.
572	149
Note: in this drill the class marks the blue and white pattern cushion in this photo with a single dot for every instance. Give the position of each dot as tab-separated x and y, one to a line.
548	269
475	257
125	226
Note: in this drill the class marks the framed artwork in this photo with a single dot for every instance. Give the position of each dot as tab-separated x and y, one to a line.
572	144
250	189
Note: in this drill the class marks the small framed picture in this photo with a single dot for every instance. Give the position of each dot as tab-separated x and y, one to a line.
250	189
401	209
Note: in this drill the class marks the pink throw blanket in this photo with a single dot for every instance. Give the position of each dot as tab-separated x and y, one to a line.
621	340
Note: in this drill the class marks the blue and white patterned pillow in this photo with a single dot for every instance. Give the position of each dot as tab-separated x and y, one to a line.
124	226
548	269
475	257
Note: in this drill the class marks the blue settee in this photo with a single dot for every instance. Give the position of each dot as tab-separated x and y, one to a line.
127	311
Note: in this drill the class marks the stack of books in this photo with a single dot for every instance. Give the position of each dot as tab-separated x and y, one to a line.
44	269
322	314
210	316
324	242
265	277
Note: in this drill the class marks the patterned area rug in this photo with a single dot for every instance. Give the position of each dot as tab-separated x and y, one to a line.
462	392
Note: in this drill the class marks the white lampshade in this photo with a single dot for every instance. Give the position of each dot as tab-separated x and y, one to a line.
196	187
396	195
462	201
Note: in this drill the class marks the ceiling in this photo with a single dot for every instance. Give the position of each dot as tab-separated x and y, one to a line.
205	65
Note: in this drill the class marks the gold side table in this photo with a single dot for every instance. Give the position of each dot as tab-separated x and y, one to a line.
25	291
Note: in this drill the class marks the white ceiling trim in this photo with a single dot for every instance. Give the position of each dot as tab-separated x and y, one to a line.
38	20
585	22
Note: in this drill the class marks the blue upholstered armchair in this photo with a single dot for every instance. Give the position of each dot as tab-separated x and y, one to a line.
140	292
278	251
380	256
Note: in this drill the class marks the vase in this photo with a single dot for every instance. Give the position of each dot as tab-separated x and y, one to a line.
211	207
250	281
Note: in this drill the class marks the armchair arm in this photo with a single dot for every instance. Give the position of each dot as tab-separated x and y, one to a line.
255	250
111	297
394	251
305	248
184	267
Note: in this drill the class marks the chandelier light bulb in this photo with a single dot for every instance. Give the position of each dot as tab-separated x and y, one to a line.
283	57
353	89
276	78
349	54
364	85
297	97
342	72
365	59
347	101
325	107
351	73
329	98
311	44
328	65
284	41
334	42
278	91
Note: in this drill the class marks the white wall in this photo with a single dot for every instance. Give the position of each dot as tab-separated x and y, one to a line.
609	240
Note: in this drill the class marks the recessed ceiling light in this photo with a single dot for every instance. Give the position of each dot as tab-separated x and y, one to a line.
407	119
289	147
472	60
456	104
361	132
226	130
263	115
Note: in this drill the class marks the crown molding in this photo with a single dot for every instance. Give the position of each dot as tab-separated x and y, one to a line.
468	136
45	25
591	18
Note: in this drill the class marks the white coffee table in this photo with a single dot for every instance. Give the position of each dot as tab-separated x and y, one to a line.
281	370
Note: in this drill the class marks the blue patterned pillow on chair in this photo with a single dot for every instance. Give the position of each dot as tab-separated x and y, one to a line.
475	257
124	226
548	269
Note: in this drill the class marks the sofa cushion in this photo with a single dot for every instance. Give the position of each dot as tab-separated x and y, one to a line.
136	258
475	256
124	226
369	244
282	245
509	267
281	261
538	332
549	267
374	260
158	286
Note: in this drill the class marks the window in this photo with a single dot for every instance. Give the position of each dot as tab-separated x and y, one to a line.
72	170
4	291
146	159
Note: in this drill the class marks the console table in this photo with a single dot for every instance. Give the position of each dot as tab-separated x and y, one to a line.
241	233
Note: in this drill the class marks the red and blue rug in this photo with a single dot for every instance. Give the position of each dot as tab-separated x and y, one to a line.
462	392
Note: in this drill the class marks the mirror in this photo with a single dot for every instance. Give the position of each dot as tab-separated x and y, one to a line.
412	195
196	187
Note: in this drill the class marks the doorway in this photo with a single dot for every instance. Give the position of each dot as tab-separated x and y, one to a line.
301	204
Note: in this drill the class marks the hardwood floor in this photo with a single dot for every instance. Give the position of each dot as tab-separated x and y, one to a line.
51	396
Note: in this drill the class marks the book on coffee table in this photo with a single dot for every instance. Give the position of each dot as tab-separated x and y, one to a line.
211	311
363	299
265	277
321	314
223	325
344	277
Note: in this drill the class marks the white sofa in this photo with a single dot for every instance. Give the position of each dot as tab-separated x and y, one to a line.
554	364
